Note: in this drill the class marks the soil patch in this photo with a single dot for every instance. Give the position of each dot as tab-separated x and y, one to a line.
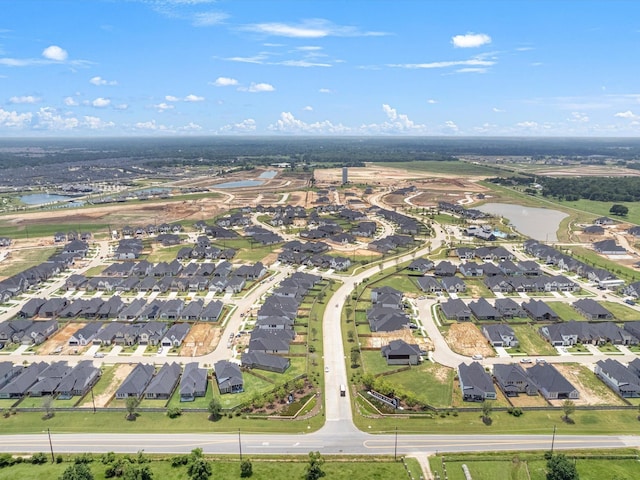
120	373
380	339
589	395
200	340
466	339
61	340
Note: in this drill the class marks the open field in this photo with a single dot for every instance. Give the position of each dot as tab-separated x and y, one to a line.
201	339
592	390
466	339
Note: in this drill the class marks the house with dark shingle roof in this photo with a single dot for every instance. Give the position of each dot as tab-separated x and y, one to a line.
509	308
78	381
228	377
136	382
538	310
429	284
591	309
513	380
399	352
21	383
265	361
551	383
618	377
456	309
164	382
476	384
500	335
483	310
193	383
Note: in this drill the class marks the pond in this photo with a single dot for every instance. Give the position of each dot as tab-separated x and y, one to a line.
42	198
239	184
268	174
538	223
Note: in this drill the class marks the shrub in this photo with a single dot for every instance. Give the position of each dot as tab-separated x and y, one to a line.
174	412
38	458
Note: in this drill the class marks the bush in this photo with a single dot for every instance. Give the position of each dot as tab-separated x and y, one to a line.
83	458
174	412
179	460
6	460
246	469
39	458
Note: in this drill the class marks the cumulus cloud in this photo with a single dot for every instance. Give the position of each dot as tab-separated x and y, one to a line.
171	98
579	117
150	125
96	123
396	123
258	88
628	115
55	53
245	126
530	125
193	98
99	81
24	99
101	102
225	82
121	106
312	28
288	123
308	108
14	119
431	101
190	127
163	107
50	119
451	125
325	90
70	102
497	110
470	40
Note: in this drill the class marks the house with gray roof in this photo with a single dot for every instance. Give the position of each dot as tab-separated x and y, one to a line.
421	265
456	309
164	382
21	383
211	311
49	379
271	341
228	377
591	309
429	284
500	335
513	380
132	310
453	284
31	307
136	382
193	382
85	335
509	308
476	384
265	361
483	310
385	319
471	269
445	268
78	381
551	383
399	352
175	335
8	371
539	311
618	377
191	311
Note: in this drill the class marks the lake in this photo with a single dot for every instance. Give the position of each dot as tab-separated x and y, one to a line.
268	174
239	184
538	223
42	198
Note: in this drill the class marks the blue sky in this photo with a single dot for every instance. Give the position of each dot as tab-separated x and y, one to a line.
323	67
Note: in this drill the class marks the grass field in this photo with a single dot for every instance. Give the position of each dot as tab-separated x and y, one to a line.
565	311
621	312
445	167
227	468
431	383
27	258
531	342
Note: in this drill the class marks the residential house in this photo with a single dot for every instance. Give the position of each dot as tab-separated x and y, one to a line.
164	382
591	309
483	310
85	335
136	382
456	309
399	352
21	382
78	381
193	383
509	308
539	311
265	361
476	384
550	382
175	335
513	380
618	377
500	335
229	377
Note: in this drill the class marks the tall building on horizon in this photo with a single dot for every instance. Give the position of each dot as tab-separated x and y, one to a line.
345	175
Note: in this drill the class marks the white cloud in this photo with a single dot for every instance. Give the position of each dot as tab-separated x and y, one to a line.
101	102
171	98
579	117
50	119
431	101
301	63
121	106
193	98
308	108
470	40
55	53
99	81
289	124
71	102
209	18
312	28
628	115
478	61
531	125
190	127
225	82
471	70
325	90
451	125
95	123
397	123
309	48
245	126
257	88
24	99
163	107
150	125
14	119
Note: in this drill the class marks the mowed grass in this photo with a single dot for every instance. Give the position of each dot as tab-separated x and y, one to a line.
565	311
374	363
430	382
455	168
24	259
531	342
621	312
525	466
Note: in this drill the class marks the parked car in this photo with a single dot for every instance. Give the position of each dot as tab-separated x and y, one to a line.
526	360
540	360
477	356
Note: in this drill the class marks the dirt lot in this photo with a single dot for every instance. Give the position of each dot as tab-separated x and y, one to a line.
201	339
61	339
120	373
524	400
383	338
600	395
466	339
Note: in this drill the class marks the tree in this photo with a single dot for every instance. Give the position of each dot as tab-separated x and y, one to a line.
137	472
47	404
77	471
246	469
487	408
350	336
568	407
619	210
215	409
314	467
199	469
132	404
559	467
355	357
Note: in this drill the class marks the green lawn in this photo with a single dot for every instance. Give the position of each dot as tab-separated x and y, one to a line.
228	468
531	342
199	402
373	362
621	312
430	382
565	311
164	254
252	386
26	258
298	367
400	282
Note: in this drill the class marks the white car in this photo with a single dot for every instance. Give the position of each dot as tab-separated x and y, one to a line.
526	360
326	369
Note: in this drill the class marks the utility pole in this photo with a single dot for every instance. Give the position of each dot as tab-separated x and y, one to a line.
93	400
240	445
53	458
395	446
553	438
